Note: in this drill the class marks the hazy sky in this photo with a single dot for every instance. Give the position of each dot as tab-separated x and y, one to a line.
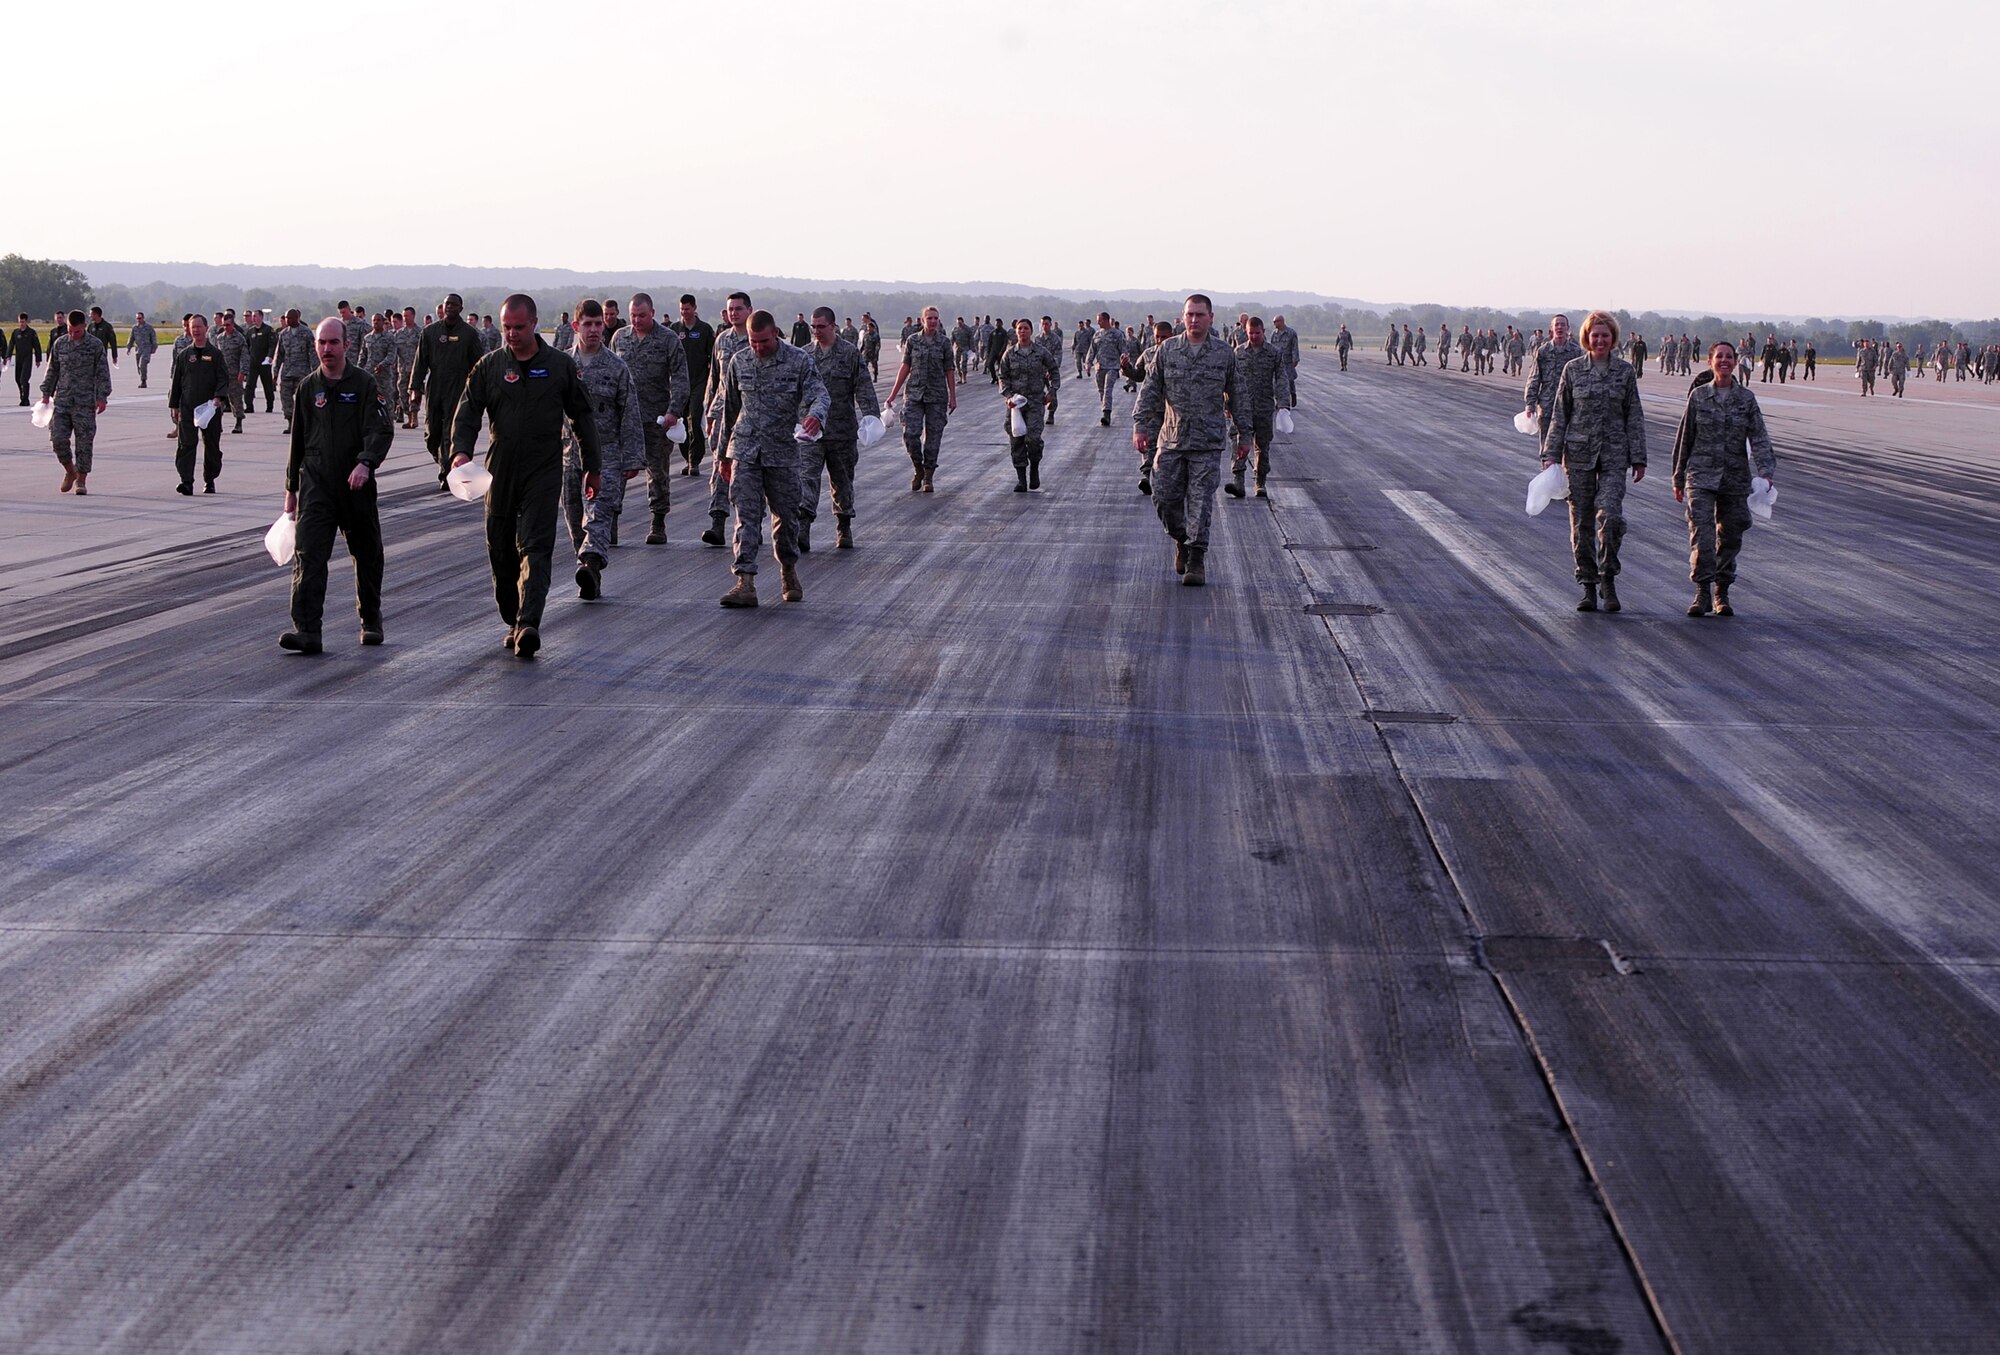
1727	157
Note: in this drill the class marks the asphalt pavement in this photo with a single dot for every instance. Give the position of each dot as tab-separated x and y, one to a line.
1008	949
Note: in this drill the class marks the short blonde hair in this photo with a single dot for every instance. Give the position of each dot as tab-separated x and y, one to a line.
1596	318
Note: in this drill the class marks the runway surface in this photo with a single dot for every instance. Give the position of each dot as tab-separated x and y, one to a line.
1007	949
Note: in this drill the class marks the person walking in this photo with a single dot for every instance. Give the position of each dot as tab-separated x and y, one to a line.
77	380
1596	434
527	390
339	439
928	373
1185	407
776	395
1712	476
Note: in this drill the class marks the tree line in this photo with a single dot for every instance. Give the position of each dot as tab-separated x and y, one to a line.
42	287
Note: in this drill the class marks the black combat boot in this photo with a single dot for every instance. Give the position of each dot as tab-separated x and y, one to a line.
1034	472
1233	486
1180	556
1020	479
1589	603
1197	567
658	536
614	530
713	536
299	642
1702	605
803	537
1722	607
1609	589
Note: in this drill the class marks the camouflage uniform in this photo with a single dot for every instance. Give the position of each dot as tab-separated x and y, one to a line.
770	396
1260	389
961	347
1033	374
871	350
76	376
235	350
845	375
1079	344
1186	402
406	340
1050	341
1286	341
565	336
659	366
929	395
144	343
982	339
1899	372
1864	365
728	343
1343	344
1711	469
378	358
1544	375
615	399
852	335
1597	435
1107	346
296	360
357	328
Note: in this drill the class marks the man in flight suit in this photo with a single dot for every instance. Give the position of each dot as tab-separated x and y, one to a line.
528	390
341	431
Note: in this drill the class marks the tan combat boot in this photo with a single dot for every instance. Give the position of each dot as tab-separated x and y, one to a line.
744	594
794	591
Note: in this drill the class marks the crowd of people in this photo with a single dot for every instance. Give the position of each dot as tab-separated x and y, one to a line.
610	396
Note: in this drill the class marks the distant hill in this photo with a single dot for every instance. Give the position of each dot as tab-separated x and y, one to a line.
319	278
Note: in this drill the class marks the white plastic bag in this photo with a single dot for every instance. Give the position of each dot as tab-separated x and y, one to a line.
43	414
1016	423
677	434
799	434
1551	484
469	482
1526	424
1763	496
1283	422
204	413
283	539
871	430
890	417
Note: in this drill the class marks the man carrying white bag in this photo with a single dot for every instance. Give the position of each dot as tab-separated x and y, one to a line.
341	431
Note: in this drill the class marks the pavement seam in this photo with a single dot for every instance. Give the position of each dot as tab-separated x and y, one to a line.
1519	1016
